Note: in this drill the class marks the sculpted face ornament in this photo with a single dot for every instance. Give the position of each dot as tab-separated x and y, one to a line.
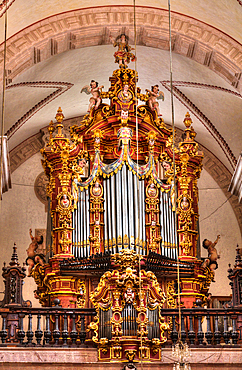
185	204
65	201
129	295
152	190
82	162
166	165
96	190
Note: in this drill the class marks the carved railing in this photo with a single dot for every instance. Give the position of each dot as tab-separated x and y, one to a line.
50	326
57	326
205	327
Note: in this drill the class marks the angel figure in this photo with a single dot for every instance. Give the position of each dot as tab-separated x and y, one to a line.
95	90
154	94
213	255
123	55
33	257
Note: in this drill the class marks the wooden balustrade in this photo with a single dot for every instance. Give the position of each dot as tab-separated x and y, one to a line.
57	326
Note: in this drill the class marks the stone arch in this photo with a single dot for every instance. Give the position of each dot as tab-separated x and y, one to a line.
93	26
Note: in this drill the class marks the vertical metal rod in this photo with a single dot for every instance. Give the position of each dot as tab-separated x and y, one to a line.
174	168
3	97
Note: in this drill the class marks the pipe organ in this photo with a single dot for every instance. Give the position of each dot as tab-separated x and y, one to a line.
119	233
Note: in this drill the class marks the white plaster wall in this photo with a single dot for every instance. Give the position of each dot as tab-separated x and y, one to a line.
21	210
222	222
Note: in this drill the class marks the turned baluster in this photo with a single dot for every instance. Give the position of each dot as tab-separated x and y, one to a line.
30	333
82	334
191	333
65	331
39	332
3	332
21	332
56	331
226	334
183	331
234	334
47	332
73	333
208	334
200	335
174	333
217	334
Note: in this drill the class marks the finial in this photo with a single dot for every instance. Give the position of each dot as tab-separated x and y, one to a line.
59	118
187	120
51	129
238	256
14	258
230	271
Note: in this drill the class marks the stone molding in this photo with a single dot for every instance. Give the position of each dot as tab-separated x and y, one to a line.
60	87
211	163
3	6
86	358
92	26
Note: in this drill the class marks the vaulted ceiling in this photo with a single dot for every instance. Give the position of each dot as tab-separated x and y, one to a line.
54	48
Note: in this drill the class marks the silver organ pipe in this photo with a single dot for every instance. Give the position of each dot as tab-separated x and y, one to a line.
113	216
109	218
140	218
136	216
168	232
131	209
81	226
120	205
74	233
84	224
119	211
124	217
124	199
142	214
106	246
88	222
81	223
78	229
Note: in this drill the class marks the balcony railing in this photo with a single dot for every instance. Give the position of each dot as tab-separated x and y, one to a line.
57	326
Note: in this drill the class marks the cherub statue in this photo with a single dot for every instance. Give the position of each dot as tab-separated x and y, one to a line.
154	94
123	55
211	261
93	89
33	257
